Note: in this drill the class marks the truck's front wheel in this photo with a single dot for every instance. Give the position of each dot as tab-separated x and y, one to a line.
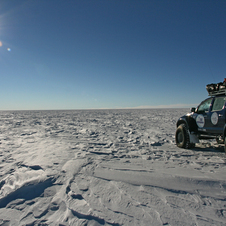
182	137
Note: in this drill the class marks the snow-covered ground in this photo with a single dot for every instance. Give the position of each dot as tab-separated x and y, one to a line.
107	167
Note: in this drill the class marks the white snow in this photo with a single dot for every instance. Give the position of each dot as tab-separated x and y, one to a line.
107	167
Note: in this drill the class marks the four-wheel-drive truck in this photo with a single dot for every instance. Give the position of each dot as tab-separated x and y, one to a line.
207	121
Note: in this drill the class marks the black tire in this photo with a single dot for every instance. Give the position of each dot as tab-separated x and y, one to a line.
182	137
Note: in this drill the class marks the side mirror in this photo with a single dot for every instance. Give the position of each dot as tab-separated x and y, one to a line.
192	109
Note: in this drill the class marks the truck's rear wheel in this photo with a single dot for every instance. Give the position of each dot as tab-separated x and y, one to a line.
182	137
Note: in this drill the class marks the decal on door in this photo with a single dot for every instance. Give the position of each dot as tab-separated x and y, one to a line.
214	118
200	120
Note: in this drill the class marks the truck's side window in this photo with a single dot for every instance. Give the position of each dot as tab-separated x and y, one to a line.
218	103
204	106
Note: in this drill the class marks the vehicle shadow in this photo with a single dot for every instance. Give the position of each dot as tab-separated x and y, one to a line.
216	148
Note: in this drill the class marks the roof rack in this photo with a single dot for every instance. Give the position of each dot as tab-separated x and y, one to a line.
216	93
216	89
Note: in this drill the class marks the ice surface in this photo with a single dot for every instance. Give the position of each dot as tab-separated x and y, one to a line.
107	167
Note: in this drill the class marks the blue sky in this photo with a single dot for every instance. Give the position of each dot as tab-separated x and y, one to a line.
85	54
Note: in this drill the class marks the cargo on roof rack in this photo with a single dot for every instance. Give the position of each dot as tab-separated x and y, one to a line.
215	89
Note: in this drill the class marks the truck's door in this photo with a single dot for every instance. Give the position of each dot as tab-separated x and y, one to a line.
217	115
203	114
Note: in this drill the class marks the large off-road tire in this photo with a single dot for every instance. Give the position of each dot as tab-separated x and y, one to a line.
182	137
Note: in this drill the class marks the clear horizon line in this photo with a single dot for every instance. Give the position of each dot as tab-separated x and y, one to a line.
115	108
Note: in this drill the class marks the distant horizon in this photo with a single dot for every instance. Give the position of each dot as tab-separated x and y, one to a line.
178	106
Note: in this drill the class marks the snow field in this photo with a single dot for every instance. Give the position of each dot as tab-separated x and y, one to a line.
107	167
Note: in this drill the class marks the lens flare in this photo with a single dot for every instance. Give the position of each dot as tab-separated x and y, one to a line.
0	44
9	49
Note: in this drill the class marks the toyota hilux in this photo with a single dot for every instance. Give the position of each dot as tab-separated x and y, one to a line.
207	121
